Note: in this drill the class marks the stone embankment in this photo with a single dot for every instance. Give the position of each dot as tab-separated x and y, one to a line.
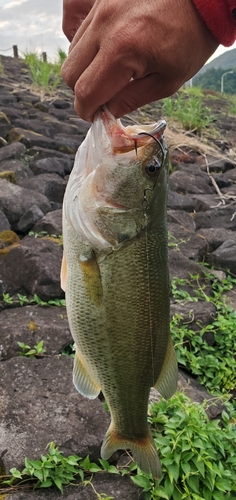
39	135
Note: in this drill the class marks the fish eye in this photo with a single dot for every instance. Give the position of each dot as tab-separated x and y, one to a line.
152	168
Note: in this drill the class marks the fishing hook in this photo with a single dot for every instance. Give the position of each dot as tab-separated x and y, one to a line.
162	162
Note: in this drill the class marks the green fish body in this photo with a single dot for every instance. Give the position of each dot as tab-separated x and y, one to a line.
115	275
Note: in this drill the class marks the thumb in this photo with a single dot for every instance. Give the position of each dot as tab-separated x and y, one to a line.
137	93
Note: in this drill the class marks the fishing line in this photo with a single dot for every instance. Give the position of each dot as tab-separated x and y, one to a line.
147	257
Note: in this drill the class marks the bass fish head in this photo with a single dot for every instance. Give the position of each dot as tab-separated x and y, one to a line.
119	181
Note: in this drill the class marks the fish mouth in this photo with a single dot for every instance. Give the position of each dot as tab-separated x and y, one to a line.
124	139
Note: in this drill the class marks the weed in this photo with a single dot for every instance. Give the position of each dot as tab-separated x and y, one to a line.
214	366
44	74
23	300
189	111
29	352
197	456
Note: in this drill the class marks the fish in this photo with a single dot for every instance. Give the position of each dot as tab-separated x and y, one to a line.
116	280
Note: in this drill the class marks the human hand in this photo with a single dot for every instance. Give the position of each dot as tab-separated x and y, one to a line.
128	53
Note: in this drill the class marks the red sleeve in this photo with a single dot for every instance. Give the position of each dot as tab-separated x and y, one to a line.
220	18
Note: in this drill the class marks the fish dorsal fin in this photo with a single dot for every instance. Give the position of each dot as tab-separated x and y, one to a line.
166	383
83	381
63	273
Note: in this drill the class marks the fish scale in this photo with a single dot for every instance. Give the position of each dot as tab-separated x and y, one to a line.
117	292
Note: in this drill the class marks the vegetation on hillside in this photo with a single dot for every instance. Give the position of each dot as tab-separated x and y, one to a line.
211	80
44	73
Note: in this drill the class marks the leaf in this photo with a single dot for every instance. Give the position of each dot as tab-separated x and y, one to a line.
15	473
86	463
58	483
142	481
46	484
173	469
161	492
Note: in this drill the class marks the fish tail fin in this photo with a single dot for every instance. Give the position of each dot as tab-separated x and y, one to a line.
143	450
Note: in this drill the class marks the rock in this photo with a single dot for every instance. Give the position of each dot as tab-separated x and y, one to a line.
15	201
34	268
204	202
61	104
34	323
198	394
29	138
224	256
39	404
182	267
22	171
185	182
196	315
48	166
112	485
29	218
50	185
179	202
214	237
51	223
14	150
184	219
37	154
217	217
4	222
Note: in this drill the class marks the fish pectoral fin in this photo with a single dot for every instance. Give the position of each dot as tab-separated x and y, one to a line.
167	381
63	273
143	450
91	277
83	381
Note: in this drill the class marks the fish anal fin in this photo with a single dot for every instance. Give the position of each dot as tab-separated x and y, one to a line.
91	277
63	273
143	450
166	383
82	379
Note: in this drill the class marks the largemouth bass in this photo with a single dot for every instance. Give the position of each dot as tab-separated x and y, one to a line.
115	276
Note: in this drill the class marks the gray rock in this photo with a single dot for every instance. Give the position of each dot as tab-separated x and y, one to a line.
38	153
15	201
48	166
217	217
34	268
196	315
112	485
198	394
13	150
50	185
4	222
224	256
22	171
29	219
180	202
39	404
51	223
214	237
31	324
204	202
184	219
185	182
182	267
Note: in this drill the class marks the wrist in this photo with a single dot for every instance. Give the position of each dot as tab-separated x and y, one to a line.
220	18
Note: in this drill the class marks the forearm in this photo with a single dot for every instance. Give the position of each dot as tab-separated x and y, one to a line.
220	18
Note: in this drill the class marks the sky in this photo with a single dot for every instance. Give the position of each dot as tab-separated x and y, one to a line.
35	26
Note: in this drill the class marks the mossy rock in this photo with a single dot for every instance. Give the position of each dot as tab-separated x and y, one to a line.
8	238
14	135
67	150
4	118
8	175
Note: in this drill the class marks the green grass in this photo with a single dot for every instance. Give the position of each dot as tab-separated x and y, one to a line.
45	74
189	110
